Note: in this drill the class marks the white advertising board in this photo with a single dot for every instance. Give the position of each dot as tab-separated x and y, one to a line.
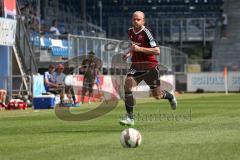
212	81
7	31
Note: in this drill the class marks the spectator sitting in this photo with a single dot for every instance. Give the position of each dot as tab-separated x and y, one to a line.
49	84
54	28
59	79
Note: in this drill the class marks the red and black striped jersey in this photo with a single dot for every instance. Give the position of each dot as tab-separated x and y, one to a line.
143	38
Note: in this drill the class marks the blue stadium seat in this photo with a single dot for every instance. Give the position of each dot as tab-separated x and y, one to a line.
35	40
57	51
47	42
65	43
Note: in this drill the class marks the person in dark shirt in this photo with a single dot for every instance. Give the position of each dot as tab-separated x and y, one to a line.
90	66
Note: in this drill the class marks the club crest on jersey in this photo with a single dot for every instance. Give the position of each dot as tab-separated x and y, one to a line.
140	37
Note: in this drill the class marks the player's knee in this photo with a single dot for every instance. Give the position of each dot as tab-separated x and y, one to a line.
129	83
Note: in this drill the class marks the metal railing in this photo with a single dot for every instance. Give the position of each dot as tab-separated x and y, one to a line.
176	61
109	49
24	48
14	85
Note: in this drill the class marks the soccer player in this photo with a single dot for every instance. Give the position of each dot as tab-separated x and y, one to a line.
91	66
144	66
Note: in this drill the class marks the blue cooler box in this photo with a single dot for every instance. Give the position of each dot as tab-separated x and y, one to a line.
44	102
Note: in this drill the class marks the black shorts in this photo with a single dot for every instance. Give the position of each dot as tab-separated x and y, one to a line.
151	76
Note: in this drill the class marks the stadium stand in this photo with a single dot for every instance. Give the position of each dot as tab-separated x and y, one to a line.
171	20
114	11
38	19
226	49
56	46
66	13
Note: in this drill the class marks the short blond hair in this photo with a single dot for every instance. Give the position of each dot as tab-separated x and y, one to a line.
139	12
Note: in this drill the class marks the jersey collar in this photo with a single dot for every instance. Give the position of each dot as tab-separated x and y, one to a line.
138	31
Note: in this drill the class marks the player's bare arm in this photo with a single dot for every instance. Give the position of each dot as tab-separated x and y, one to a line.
51	84
126	55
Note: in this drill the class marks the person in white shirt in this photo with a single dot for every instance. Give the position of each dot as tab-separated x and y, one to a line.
59	76
59	79
54	28
49	83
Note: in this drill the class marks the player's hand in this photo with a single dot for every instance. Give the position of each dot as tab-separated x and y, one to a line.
126	55
135	48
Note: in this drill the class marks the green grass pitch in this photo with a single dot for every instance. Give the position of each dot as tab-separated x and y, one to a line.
205	126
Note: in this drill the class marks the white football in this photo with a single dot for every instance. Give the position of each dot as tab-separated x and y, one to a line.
130	138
